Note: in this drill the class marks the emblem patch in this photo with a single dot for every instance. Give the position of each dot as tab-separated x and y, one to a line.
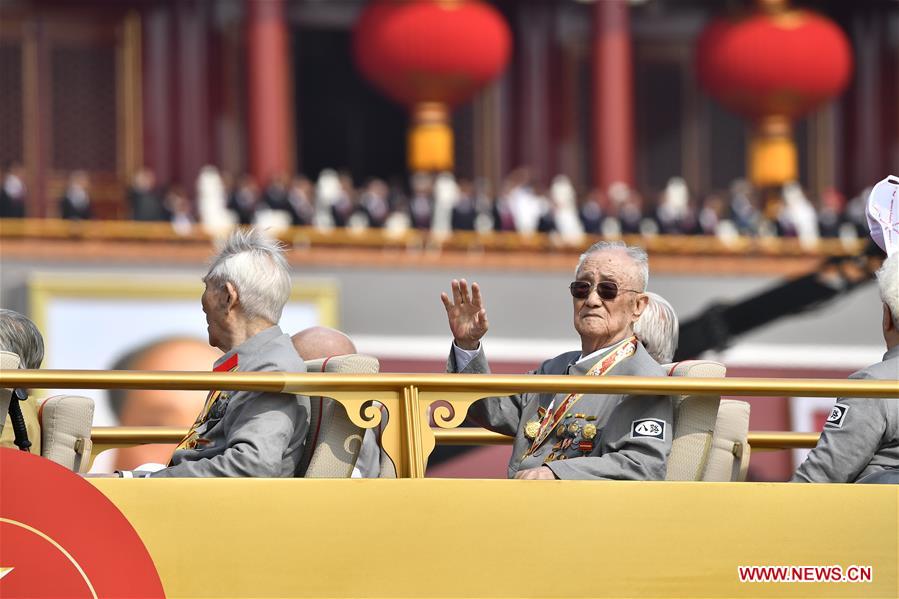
651	428
837	416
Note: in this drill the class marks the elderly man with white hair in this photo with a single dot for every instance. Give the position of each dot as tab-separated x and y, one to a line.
19	335
245	433
658	329
578	435
860	440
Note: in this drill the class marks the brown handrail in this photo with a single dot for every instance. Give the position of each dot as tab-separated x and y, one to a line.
117	230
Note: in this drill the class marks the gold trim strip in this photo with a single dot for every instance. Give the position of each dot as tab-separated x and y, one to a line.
122	436
487	384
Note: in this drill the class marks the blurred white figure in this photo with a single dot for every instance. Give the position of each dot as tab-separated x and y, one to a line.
802	214
212	203
675	206
526	208
648	227
564	201
610	227
446	195
397	224
327	192
619	193
727	232
272	220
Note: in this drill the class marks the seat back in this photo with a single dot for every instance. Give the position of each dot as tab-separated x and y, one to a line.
65	422
8	361
333	442
729	458
694	423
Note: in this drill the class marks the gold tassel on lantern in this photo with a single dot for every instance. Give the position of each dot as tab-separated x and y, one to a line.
430	138
772	153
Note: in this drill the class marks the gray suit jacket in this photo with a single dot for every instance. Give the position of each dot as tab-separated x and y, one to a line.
249	433
860	437
633	431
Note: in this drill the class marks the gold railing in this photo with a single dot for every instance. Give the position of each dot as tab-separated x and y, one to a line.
412	401
109	437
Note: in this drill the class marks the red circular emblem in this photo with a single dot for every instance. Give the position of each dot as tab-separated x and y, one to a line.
61	537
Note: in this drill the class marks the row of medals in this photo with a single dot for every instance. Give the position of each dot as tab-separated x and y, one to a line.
567	433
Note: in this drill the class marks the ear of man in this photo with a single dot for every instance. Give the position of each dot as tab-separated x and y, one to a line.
888	323
230	298
639	306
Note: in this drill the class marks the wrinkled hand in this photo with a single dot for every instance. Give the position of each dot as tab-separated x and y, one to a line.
467	315
541	473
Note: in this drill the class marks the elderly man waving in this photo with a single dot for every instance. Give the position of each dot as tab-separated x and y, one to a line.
572	435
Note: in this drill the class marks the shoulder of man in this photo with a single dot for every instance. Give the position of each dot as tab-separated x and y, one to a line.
559	364
275	355
886	370
640	364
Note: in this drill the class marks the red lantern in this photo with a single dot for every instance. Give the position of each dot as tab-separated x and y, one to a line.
773	66
431	55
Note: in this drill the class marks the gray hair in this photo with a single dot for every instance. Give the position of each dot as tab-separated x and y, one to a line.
20	336
658	328
637	254
256	266
888	281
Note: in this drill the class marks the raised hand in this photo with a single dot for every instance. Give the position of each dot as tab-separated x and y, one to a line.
466	314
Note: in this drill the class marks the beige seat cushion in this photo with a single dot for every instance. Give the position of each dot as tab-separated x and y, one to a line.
333	443
694	423
66	430
729	459
29	407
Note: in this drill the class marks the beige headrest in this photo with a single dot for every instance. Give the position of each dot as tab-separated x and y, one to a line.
334	442
9	360
346	364
697	368
729	458
66	430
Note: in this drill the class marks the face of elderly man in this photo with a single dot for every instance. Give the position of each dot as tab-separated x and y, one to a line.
600	322
215	306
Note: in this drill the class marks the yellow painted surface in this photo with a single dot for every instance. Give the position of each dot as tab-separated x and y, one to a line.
497	538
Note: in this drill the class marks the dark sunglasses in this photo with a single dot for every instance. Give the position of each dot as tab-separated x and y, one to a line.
607	290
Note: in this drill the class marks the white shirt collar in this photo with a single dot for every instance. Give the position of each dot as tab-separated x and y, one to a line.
588	357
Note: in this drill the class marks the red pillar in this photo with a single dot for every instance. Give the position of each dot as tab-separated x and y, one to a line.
270	120
613	97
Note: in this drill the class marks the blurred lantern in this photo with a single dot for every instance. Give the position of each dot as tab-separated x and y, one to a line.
773	66
430	55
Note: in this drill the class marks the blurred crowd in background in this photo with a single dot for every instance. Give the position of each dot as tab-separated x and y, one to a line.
442	204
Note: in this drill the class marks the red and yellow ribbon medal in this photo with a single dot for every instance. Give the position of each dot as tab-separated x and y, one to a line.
190	440
615	355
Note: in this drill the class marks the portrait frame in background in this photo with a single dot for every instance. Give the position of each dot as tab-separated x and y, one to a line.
89	321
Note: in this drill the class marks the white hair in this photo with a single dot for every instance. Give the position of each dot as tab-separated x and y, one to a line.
888	281
21	336
637	254
658	328
256	266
